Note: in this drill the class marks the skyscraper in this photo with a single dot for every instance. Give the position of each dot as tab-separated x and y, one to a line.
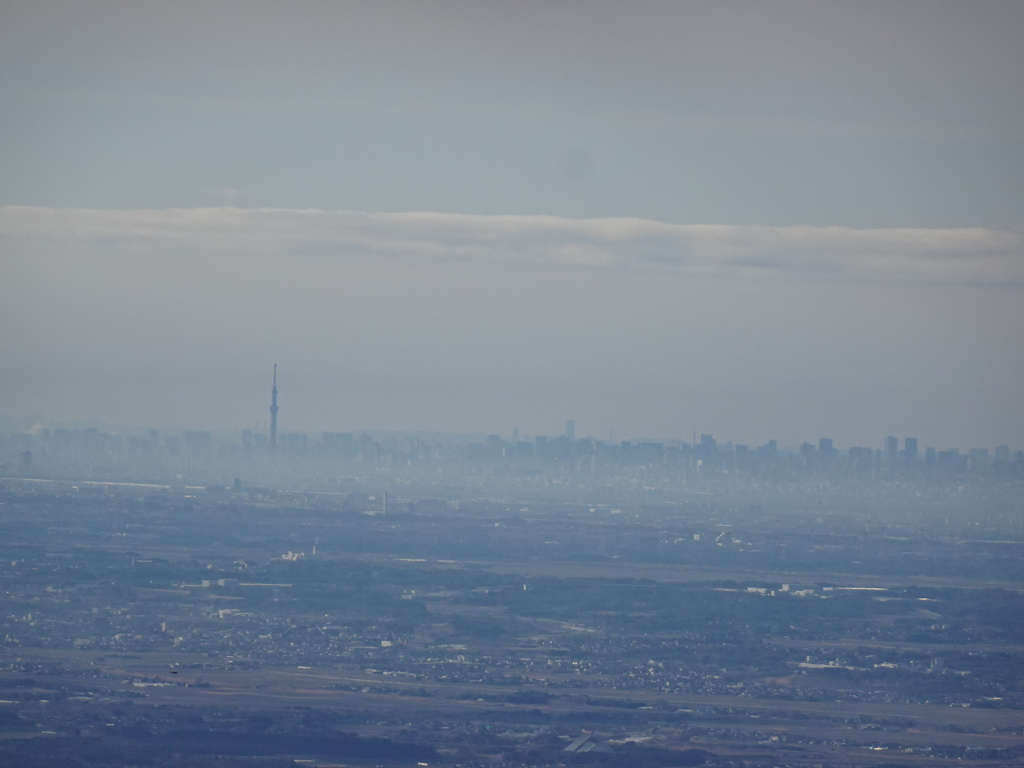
892	450
273	414
910	450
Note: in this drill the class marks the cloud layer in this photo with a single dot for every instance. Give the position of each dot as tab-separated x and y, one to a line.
972	255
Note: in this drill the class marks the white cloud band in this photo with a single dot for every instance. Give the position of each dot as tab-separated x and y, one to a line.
974	255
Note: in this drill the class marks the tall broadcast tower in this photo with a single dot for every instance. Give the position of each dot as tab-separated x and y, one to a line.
273	414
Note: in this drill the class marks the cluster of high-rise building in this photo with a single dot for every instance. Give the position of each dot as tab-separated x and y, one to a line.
56	450
50	451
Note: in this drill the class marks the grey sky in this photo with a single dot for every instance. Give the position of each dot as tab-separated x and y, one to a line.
802	218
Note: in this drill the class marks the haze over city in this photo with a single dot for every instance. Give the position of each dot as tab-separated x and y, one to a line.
544	385
766	221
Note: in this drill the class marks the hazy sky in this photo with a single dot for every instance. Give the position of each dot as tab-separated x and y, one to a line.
763	219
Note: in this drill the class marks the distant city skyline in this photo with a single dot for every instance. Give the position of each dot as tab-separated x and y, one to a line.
492	461
888	447
769	220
